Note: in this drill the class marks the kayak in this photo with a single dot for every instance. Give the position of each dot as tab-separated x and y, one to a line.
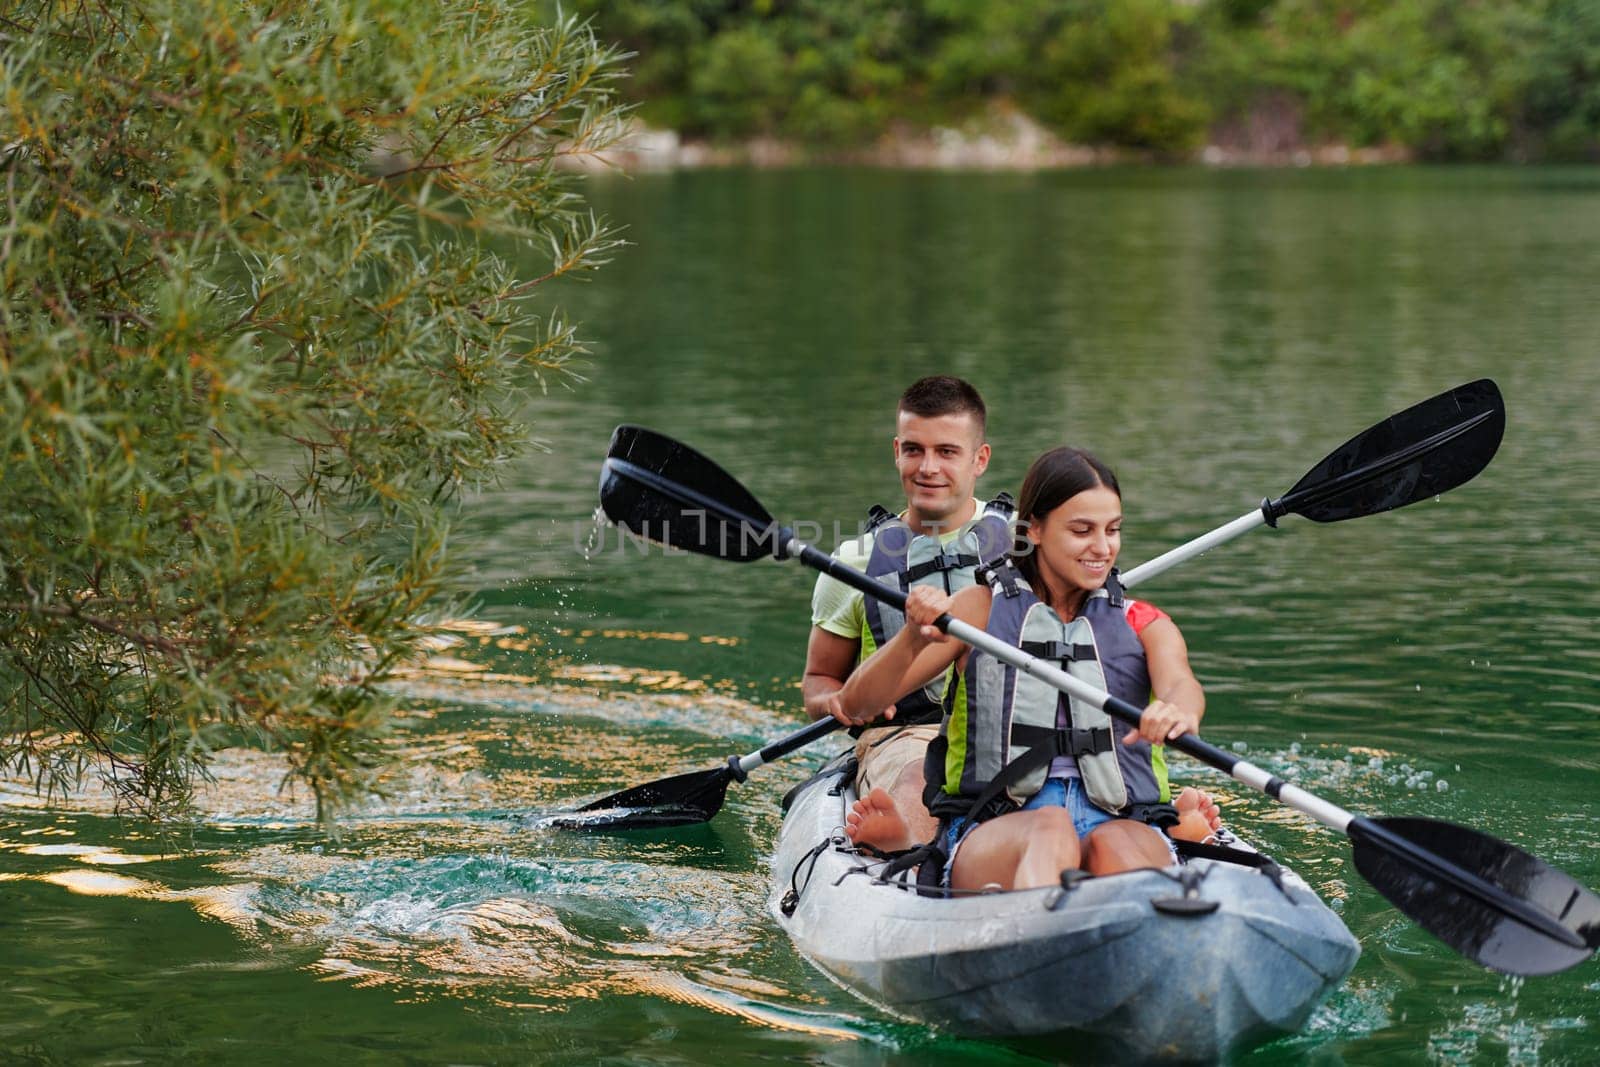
1178	965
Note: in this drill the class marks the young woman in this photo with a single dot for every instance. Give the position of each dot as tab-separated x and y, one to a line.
1056	597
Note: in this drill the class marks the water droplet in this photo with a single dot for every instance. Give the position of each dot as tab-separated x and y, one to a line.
596	540
1419	688
1294	747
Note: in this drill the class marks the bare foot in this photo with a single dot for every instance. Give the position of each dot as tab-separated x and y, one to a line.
875	821
1198	815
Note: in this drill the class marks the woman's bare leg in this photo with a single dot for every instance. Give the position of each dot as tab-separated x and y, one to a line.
1124	845
1021	850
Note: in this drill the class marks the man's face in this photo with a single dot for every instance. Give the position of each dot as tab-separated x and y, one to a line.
940	459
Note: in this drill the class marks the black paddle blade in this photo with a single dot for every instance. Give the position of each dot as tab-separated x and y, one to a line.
1489	900
665	491
1423	451
682	800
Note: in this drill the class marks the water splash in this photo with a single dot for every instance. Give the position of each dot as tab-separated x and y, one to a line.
595	543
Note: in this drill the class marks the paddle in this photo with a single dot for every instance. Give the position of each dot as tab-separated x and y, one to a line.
661	488
684	799
1485	898
1423	451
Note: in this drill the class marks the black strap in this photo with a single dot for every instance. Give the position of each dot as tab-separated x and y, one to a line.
1071	741
1243	857
1158	814
846	769
1058	651
877	515
1002	573
1011	773
944	561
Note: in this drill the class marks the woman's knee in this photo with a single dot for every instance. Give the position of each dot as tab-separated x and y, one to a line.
1124	845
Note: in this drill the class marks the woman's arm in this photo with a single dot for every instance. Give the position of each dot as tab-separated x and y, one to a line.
1179	702
915	656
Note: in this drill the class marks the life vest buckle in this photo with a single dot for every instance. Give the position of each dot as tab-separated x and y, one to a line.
1076	742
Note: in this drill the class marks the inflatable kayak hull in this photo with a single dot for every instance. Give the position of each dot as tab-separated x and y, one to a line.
1179	965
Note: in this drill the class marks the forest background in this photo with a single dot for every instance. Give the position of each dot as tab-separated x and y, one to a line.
1467	80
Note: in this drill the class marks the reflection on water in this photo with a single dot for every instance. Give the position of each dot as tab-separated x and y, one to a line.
443	889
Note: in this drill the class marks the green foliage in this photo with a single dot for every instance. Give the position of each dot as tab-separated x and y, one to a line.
253	345
1560	113
1108	75
737	83
817	70
1477	79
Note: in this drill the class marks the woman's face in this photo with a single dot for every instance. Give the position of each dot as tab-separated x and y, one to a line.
1077	542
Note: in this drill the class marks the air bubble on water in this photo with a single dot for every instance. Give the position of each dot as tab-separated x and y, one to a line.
1393	779
1441	785
1424	775
1294	748
1419	688
1376	763
1240	746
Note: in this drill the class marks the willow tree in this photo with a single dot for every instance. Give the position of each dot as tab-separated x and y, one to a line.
269	308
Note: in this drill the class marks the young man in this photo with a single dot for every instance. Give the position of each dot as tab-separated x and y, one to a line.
940	538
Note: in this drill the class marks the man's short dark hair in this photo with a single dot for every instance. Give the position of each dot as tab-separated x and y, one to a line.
942	394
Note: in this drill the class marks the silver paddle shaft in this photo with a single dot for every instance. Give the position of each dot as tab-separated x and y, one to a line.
1202	544
1243	771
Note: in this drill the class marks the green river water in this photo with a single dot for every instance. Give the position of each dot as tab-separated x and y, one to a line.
1212	334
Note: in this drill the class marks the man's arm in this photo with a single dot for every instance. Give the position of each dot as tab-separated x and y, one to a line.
829	661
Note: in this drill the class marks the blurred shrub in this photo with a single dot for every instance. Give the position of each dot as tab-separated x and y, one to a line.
1449	79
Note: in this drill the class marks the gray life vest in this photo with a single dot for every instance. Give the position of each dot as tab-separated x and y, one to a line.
1004	728
904	559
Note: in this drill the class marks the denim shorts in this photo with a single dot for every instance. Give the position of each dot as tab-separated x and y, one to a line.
1056	793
